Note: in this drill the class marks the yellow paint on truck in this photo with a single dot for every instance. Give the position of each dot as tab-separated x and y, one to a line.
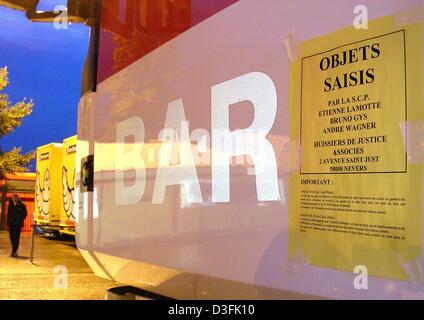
48	184
67	216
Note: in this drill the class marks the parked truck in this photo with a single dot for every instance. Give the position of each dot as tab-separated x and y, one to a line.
54	187
47	185
286	138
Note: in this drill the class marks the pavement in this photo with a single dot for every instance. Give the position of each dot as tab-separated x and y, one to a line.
58	272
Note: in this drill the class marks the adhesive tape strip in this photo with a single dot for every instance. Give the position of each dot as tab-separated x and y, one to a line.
414	131
410	16
292	46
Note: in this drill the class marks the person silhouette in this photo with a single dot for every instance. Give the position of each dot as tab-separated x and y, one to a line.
16	215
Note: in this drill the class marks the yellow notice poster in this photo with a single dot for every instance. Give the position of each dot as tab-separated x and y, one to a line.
355	196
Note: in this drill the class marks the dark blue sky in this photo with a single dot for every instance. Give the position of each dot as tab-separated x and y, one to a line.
44	64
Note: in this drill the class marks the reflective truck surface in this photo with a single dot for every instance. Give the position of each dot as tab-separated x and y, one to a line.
255	149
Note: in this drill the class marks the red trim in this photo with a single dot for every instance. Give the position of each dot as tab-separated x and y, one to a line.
126	35
21	177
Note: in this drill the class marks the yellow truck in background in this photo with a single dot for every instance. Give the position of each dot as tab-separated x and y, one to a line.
67	216
47	184
54	187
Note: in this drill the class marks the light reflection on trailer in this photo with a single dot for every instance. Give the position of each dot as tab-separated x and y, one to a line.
210	249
